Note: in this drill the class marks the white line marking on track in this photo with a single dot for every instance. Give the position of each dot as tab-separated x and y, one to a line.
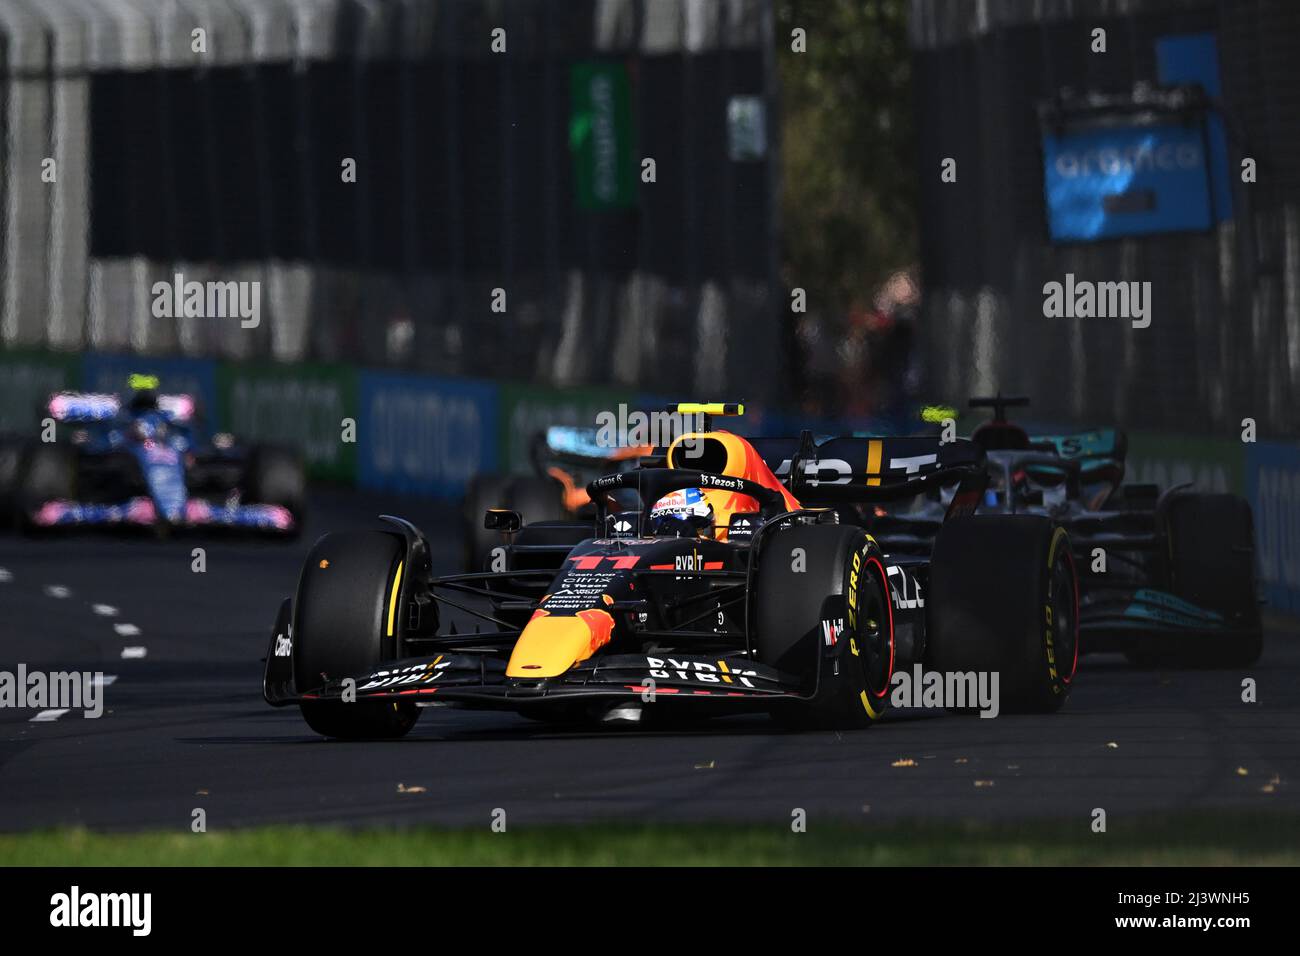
6	575
126	630
103	680
45	716
104	610
57	591
133	653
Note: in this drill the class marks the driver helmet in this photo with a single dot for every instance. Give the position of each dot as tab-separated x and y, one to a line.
684	513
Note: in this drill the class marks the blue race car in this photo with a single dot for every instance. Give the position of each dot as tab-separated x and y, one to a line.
104	459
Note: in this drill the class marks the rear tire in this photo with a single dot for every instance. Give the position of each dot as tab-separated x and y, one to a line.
340	629
1210	561
1004	598
838	586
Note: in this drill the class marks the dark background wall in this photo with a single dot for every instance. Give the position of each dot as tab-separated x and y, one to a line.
225	165
1224	343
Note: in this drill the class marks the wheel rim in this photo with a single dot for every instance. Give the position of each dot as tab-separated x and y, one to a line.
1063	599
876	633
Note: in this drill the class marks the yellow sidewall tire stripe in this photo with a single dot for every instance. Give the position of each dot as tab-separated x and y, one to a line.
392	598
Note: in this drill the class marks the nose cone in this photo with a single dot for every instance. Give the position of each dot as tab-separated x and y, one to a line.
551	644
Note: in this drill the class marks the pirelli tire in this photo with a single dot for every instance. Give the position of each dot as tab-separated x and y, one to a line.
341	615
822	613
1003	598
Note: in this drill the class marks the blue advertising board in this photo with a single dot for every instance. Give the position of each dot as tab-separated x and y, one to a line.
1126	180
1122	177
422	435
1273	487
1194	58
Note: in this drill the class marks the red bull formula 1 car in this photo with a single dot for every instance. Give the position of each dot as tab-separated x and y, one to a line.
775	606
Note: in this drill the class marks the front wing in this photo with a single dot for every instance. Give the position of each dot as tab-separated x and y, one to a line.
141	512
477	680
1118	618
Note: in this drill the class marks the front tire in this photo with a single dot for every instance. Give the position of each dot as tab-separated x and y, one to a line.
1004	598
12	453
276	477
48	472
822	612
341	629
1210	561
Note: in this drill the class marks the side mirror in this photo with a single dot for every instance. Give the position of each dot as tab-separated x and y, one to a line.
502	519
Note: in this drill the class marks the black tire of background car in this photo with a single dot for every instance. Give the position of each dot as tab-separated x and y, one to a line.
1209	560
11	459
276	476
339	624
536	498
789	606
48	472
483	492
1003	597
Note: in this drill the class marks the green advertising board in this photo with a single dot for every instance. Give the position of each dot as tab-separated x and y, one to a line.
527	410
299	405
27	379
1212	464
601	135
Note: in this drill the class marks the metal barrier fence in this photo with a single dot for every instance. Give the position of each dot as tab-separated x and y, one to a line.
1224	340
498	223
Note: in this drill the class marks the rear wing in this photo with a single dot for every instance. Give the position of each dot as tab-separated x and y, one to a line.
583	446
1099	443
79	408
82	407
848	470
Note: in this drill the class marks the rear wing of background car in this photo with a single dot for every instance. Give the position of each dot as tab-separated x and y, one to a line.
1110	443
851	470
582	446
76	408
81	407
